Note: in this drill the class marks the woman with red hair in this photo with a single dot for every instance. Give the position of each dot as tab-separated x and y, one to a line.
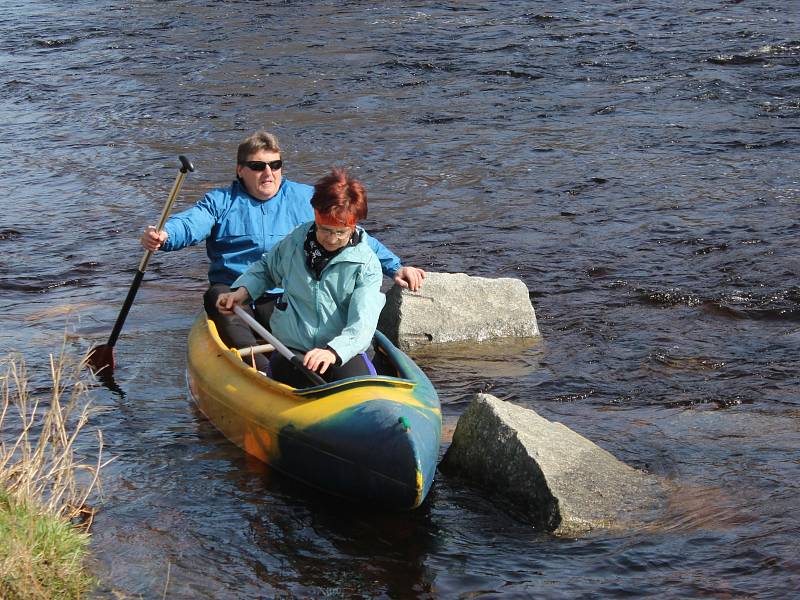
331	280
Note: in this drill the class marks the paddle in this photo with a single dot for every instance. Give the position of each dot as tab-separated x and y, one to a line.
283	350
102	356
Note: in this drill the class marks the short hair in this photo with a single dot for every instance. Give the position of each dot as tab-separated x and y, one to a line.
341	197
260	140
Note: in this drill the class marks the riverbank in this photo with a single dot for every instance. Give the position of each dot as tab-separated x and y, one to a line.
44	486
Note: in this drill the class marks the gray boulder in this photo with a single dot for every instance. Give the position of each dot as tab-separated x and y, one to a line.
546	473
453	307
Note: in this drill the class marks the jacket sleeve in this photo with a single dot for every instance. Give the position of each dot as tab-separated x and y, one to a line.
365	307
192	225
390	263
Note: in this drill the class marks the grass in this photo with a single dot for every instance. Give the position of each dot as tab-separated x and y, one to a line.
44	488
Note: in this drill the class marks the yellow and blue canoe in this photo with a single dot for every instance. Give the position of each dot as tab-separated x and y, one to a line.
372	439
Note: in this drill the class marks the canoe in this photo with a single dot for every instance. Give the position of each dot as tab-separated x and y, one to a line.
372	439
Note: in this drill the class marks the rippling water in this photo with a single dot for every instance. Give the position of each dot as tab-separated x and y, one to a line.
635	164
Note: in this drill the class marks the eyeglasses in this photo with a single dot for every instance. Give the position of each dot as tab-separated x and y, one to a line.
260	165
339	234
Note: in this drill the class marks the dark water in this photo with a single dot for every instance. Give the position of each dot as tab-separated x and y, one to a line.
634	163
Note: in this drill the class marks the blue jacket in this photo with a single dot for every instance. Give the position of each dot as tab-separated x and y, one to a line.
340	310
238	228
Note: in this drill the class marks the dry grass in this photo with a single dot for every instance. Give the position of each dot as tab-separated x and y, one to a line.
44	488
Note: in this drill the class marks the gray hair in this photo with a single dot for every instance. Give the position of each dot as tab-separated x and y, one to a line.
260	140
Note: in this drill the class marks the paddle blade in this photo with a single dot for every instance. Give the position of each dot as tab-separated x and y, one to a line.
101	358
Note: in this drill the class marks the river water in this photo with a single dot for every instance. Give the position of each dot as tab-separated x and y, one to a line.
634	163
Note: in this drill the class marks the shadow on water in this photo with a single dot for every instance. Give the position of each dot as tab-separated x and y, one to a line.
302	542
353	549
106	378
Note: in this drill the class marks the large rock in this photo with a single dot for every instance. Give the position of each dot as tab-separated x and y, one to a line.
453	307
544	472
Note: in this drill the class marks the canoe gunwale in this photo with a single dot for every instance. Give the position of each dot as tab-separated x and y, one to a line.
409	380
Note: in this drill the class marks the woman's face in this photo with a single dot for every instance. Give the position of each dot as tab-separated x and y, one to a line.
333	238
262	184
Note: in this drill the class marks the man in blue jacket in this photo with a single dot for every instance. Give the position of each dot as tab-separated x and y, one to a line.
241	222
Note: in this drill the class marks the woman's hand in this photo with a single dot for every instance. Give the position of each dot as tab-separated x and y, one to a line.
227	300
319	359
409	277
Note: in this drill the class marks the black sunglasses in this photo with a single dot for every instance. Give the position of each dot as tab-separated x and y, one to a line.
260	165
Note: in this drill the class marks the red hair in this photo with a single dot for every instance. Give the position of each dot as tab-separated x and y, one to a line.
339	200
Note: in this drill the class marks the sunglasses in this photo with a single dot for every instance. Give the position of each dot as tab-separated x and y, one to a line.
260	165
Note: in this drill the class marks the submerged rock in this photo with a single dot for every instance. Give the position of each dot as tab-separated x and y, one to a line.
544	472
453	307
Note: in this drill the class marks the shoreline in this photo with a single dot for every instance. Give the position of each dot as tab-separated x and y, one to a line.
43	506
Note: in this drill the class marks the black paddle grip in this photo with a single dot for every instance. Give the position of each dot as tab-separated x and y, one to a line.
186	166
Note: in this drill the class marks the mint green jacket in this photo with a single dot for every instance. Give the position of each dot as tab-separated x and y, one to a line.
340	310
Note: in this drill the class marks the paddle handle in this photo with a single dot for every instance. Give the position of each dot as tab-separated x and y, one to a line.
282	350
186	167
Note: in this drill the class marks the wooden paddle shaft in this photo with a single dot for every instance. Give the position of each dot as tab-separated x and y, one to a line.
186	167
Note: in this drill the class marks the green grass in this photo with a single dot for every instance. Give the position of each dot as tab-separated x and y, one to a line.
41	555
44	487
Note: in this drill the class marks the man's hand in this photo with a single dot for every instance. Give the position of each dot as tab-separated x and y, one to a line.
409	277
152	239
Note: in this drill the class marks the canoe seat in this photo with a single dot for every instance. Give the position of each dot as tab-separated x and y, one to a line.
252	350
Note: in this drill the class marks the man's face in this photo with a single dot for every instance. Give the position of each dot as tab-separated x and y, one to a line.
261	184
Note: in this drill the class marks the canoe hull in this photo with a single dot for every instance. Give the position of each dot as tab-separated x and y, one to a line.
366	439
